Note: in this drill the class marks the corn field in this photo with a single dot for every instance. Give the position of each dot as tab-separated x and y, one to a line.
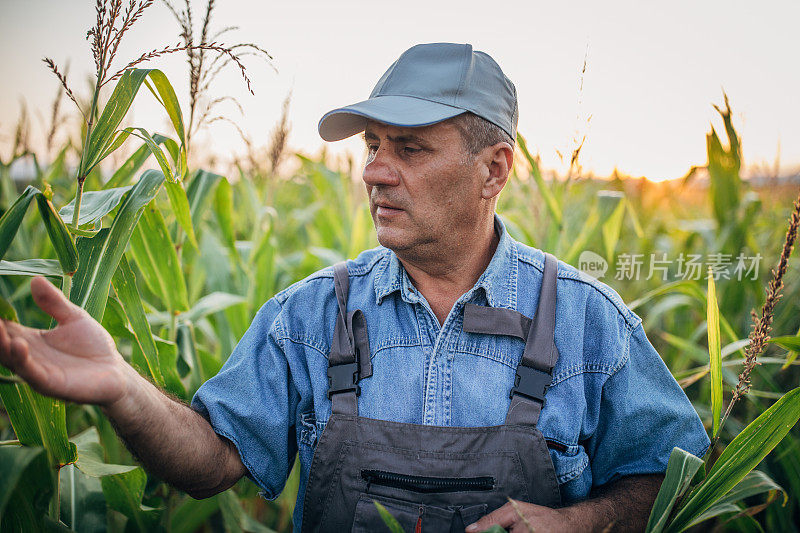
175	261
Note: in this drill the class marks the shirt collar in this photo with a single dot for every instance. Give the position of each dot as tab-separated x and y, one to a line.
498	281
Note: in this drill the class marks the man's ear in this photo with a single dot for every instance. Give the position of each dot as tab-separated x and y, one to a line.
499	159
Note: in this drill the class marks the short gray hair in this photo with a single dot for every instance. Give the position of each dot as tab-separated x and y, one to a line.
477	133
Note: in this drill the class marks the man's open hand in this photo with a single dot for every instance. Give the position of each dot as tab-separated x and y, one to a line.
76	361
542	519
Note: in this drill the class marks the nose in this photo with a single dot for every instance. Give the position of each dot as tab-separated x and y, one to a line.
380	168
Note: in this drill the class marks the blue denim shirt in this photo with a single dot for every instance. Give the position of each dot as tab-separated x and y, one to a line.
613	408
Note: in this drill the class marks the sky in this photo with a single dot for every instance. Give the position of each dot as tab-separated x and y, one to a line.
644	102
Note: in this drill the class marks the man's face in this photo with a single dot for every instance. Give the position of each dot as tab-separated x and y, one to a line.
424	187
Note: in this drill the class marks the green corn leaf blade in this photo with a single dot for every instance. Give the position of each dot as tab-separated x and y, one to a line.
7	311
637	226
187	350
167	98
223	207
157	258
14	461
124	282
83	506
586	233
37	420
95	205
91	458
124	493
59	235
126	172
211	303
714	354
117	140
102	253
754	483
741	456
174	185
180	206
681	469
12	218
104	132
156	150
235	518
26	488
32	267
190	515
789	342
611	229
168	358
390	521
549	199
200	188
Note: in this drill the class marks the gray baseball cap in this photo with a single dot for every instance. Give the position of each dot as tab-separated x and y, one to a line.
427	84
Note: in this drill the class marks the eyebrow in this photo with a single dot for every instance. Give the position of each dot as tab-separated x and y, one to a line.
369	136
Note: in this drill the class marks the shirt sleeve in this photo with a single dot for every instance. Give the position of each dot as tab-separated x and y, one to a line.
252	402
643	415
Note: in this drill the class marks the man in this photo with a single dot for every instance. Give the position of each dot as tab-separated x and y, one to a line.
412	375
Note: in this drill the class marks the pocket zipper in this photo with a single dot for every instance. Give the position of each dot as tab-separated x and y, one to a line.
426	483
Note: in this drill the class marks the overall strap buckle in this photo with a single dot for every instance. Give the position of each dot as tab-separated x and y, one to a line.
343	378
531	383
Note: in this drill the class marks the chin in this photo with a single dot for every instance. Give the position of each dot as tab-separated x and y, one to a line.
392	239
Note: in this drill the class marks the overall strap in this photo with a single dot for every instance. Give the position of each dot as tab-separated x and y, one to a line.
535	370
349	359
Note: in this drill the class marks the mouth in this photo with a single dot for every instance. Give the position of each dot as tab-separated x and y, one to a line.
384	209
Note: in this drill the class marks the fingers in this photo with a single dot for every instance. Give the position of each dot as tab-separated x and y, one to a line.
53	302
503	517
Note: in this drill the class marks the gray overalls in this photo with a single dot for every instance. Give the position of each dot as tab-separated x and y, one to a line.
432	478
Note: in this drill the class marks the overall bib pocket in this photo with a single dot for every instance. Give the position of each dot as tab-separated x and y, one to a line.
410	514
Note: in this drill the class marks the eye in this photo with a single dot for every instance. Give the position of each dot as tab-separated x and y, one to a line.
411	150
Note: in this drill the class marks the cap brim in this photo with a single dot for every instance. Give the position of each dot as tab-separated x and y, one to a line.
405	111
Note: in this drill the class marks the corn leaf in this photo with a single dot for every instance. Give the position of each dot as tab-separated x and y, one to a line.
31	267
715	355
59	235
26	488
190	515
83	506
390	521
754	483
104	132
611	229
100	255
187	351
741	456
95	205
124	282
131	165
180	206
199	190
91	458
681	469
124	493
38	421
12	218
168	99
211	303
223	207
549	199
789	342
157	258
